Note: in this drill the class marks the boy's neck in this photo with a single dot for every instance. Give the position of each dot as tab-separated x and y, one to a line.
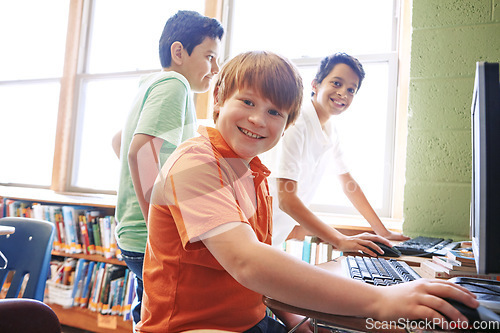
322	116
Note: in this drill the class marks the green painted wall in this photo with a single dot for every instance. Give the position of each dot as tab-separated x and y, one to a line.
448	37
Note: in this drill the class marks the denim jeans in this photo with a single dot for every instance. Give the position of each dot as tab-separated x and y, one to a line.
134	261
267	325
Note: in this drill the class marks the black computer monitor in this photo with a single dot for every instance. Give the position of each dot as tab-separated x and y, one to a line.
485	200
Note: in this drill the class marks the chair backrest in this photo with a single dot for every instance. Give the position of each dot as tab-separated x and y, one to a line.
28	251
27	316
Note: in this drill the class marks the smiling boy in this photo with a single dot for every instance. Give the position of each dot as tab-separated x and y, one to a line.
310	149
208	258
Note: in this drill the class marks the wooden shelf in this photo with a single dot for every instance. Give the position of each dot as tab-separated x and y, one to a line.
91	321
81	318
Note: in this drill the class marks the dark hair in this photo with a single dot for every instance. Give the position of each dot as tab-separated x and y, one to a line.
330	61
274	77
190	28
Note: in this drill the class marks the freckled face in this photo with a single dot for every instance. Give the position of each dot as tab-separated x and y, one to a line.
250	124
335	93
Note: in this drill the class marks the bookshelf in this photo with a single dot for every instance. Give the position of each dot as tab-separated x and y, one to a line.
76	316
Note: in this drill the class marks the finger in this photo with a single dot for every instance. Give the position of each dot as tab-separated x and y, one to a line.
370	248
446	289
444	308
375	238
437	318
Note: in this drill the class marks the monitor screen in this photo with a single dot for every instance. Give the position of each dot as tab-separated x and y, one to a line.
485	199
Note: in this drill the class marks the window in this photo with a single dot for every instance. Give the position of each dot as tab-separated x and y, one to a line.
307	31
32	35
120	49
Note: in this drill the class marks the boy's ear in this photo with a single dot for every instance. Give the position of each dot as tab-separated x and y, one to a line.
314	85
176	52
216	102
216	99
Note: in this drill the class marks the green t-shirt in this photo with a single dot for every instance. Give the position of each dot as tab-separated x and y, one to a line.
163	108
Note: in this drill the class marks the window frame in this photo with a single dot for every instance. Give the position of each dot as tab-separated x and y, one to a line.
74	74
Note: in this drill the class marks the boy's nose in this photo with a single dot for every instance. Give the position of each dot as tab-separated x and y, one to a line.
257	118
215	68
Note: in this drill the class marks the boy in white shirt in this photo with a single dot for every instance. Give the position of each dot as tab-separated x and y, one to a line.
305	153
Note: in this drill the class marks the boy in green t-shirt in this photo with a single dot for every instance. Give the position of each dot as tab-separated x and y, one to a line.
162	116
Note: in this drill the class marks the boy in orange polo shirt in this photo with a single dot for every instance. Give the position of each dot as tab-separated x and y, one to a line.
208	258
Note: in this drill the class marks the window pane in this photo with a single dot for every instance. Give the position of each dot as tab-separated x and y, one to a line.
27	132
129	41
33	36
106	105
363	132
312	28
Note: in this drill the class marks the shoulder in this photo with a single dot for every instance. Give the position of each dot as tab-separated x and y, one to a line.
191	155
167	80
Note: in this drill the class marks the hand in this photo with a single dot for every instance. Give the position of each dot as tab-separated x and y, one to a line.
423	299
391	235
362	242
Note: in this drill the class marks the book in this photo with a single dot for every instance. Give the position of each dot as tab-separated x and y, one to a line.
430	269
102	303
294	247
96	287
91	272
80	272
72	228
306	249
82	221
452	264
465	257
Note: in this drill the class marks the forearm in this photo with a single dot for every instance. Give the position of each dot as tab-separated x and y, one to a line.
143	158
358	199
296	209
278	275
138	186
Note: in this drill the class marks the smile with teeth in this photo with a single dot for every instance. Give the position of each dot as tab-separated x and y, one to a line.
250	134
337	102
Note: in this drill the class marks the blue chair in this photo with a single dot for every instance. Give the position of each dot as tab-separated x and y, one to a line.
28	251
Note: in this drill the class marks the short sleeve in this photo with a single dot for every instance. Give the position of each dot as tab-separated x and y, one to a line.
290	155
164	111
201	196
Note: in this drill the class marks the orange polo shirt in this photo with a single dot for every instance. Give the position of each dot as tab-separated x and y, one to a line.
203	185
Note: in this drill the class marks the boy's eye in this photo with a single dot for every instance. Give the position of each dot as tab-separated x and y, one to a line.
351	91
210	57
248	102
274	112
336	83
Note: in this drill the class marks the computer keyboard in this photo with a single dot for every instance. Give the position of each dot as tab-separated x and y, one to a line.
380	271
426	246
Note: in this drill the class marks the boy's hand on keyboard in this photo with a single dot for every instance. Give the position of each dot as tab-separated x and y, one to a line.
423	299
362	242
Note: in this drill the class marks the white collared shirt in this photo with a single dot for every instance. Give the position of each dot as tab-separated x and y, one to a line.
304	153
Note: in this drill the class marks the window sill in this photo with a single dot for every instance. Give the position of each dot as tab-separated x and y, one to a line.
45	195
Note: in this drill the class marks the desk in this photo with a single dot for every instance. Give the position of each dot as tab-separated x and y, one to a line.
357	324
